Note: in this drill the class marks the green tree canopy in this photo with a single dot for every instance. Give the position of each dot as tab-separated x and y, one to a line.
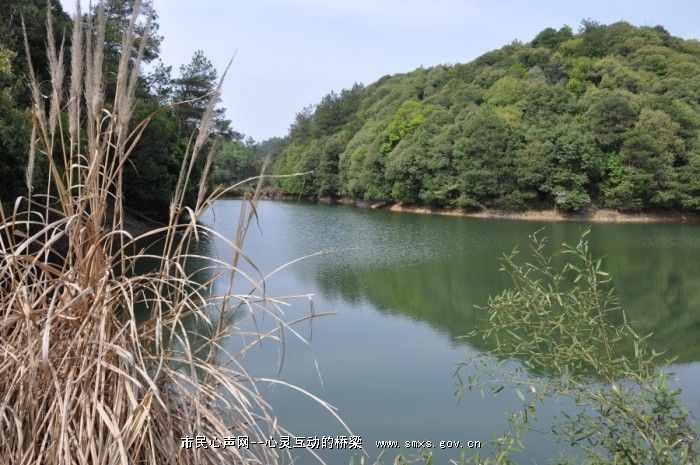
607	116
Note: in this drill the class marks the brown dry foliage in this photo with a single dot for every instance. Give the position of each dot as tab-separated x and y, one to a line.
81	381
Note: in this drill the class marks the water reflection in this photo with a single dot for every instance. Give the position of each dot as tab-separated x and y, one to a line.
656	271
658	299
405	286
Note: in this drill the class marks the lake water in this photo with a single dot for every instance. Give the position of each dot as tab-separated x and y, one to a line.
404	286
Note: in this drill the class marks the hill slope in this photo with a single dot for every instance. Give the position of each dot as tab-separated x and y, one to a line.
610	115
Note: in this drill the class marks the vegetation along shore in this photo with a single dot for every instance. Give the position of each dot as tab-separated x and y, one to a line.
592	214
596	215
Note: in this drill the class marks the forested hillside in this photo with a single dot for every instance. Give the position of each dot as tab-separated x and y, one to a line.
607	116
173	102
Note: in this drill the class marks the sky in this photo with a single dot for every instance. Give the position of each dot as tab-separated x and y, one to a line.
290	53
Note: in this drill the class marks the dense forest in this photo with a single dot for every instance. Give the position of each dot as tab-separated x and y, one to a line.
174	104
608	116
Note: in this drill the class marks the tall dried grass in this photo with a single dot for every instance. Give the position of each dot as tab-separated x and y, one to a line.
81	381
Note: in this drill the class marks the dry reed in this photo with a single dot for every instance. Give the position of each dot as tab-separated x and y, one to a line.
81	381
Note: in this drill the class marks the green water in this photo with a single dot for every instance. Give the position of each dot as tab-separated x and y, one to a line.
403	287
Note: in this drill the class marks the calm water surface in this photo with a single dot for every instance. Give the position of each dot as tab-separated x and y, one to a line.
403	287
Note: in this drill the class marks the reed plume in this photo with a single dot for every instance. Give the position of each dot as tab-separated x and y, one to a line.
82	380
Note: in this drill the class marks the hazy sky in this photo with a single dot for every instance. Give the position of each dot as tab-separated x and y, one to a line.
292	52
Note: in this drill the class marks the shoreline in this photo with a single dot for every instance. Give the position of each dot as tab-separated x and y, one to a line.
598	215
592	215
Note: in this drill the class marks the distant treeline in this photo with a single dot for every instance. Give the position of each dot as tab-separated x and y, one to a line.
609	116
150	178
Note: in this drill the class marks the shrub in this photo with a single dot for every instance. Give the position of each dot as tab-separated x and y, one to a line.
564	326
